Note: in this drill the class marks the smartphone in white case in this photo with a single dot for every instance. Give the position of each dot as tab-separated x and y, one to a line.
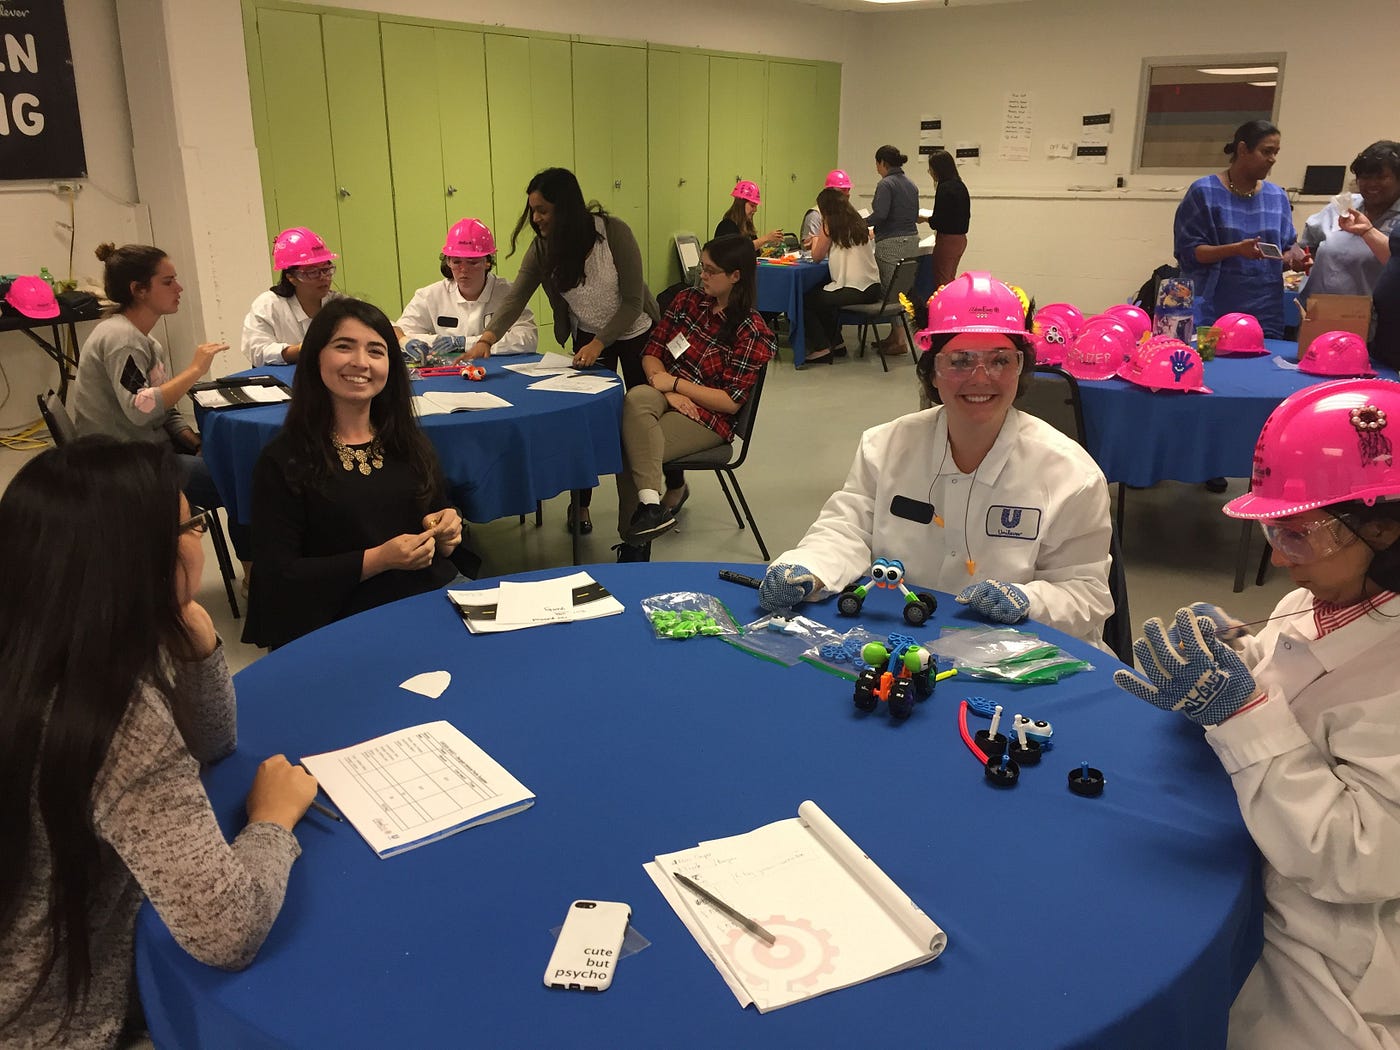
585	956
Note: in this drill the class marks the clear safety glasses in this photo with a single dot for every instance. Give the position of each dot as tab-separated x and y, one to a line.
961	364
314	273
1302	543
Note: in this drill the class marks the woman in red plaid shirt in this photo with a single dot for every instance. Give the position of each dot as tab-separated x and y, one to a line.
700	363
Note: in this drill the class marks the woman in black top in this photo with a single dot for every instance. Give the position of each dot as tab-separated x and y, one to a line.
952	213
349	506
739	217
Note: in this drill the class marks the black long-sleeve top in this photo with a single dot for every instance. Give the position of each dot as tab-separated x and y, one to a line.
952	207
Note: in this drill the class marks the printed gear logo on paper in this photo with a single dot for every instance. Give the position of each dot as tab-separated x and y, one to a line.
801	954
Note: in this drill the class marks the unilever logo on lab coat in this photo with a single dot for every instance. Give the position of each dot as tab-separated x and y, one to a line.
1013	523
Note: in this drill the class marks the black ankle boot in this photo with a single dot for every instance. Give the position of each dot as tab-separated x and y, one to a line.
632	552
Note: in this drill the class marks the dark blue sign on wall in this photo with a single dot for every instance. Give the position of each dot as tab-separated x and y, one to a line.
41	136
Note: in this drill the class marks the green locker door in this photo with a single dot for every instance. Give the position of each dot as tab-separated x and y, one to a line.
465	130
610	130
822	121
738	96
530	93
415	154
792	183
360	143
677	108
298	169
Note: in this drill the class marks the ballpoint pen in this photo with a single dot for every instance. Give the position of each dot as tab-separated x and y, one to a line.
325	810
743	920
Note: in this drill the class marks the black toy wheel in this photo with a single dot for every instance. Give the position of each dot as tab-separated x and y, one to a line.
915	613
901	700
930	602
849	604
923	684
865	698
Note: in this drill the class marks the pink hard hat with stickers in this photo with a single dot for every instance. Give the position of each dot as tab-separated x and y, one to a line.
1050	344
469	239
973	302
1241	335
1065	315
1325	444
745	190
1096	354
1138	356
1167	365
1337	354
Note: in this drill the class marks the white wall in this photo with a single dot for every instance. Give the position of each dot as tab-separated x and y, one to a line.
1082	56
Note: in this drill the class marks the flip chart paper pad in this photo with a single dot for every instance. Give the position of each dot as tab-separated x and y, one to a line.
838	919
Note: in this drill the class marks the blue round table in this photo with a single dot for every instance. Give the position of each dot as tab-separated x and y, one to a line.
1126	920
497	461
780	288
1140	438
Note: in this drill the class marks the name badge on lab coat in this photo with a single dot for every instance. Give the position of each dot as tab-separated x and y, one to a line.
1013	523
679	345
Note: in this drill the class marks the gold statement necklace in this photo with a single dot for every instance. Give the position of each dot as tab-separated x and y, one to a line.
1239	193
363	459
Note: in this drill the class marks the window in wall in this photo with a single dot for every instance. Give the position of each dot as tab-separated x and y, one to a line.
1191	107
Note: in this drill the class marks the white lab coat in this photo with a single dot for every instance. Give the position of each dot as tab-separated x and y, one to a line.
1316	769
1035	513
432	309
273	324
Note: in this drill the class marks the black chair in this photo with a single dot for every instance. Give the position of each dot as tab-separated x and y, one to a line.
1054	397
62	429
723	460
887	311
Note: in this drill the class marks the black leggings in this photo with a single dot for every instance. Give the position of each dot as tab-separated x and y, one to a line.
628	353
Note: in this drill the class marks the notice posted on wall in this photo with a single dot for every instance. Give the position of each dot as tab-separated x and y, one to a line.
1016	127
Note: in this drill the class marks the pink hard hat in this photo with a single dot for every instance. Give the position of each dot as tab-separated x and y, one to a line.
33	297
469	239
1113	325
1135	360
746	191
1240	336
1337	354
298	246
1095	354
973	302
1135	318
1324	444
836	179
1050	343
1170	365
1066	314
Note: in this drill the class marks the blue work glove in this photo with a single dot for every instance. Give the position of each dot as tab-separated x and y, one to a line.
444	345
415	351
785	587
1002	602
1227	629
1203	678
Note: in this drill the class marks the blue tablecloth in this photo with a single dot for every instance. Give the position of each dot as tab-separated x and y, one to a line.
1141	438
780	291
1127	920
498	462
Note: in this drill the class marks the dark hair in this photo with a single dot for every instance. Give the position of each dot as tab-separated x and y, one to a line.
1384	569
311	416
890	157
284	286
943	166
738	214
572	232
447	272
122	267
1251	133
938	342
732	252
83	617
843	222
1378	157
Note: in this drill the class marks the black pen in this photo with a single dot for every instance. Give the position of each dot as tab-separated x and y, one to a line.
743	920
326	811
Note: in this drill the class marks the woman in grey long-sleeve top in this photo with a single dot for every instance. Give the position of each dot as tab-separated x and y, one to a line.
894	214
113	689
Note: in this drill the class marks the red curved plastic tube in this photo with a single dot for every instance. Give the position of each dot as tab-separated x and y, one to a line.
967	737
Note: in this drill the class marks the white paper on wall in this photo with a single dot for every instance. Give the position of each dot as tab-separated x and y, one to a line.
1016	127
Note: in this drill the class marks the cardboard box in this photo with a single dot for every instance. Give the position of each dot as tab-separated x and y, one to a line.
1335	313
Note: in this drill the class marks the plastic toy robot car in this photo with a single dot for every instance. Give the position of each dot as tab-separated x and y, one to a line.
900	677
888	572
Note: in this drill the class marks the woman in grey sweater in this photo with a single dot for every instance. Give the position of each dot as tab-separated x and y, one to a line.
894	213
114	690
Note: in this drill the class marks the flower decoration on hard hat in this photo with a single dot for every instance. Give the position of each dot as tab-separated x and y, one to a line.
1369	421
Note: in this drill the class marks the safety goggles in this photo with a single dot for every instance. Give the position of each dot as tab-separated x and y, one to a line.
961	364
1301	544
315	273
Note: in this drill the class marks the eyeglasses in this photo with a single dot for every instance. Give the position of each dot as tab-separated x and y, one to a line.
711	271
962	364
1302	544
309	273
197	522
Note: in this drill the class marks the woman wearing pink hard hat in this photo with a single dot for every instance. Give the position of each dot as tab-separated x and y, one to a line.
278	319
843	243
952	215
836	179
449	315
972	496
1305	718
739	217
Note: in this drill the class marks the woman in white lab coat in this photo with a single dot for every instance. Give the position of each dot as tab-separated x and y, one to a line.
1305	717
972	496
449	315
278	318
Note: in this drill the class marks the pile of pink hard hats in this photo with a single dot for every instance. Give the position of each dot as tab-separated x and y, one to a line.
1166	363
1240	336
1338	355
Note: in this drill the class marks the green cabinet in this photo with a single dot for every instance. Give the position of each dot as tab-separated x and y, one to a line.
678	107
738	107
609	129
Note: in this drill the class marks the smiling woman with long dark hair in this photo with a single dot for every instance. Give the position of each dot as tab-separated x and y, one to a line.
114	689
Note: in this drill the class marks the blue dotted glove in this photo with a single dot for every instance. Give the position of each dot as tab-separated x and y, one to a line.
444	345
415	351
785	587
1203	678
1002	602
1227	628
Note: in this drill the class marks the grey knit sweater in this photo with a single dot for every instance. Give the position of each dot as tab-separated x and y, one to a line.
160	840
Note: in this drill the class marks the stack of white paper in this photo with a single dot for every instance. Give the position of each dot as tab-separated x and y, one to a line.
442	402
511	606
577	383
251	393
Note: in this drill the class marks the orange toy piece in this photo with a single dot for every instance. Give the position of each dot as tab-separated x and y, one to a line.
473	372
